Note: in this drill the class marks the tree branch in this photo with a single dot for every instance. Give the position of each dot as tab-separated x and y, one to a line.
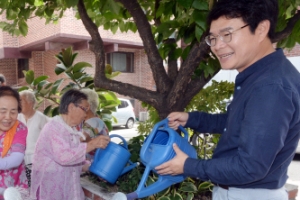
198	52
288	29
160	76
100	80
96	45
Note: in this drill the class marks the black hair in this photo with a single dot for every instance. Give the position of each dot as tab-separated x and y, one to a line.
8	91
71	96
252	12
2	79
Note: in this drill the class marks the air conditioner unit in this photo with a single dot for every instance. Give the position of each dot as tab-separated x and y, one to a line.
143	116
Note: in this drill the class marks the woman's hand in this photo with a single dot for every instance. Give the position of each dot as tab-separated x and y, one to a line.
100	141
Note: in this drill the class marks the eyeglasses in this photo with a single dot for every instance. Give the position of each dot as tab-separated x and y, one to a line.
83	108
225	36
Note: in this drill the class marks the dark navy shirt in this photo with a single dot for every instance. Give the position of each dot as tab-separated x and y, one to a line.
259	132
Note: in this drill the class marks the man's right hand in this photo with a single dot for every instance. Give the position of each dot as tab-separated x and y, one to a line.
177	118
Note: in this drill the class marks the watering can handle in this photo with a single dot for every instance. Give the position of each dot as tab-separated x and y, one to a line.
163	123
123	140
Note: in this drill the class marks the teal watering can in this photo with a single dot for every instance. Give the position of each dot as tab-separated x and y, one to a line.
157	149
113	161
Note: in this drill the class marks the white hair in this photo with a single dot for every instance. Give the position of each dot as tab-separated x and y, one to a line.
93	98
29	96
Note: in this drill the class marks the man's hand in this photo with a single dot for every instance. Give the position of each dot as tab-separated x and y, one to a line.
174	166
177	118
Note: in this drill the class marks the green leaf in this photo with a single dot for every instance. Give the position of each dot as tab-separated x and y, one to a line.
59	70
198	33
83	80
55	111
11	14
49	11
200	5
71	3
56	86
113	74
188	187
47	110
42	84
78	75
114	27
200	18
205	186
29	76
23	88
80	65
176	196
164	198
176	54
24	13
38	3
185	3
160	10
190	196
67	57
186	52
164	192
39	79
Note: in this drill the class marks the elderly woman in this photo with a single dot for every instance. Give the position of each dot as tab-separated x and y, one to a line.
59	154
35	121
93	125
12	141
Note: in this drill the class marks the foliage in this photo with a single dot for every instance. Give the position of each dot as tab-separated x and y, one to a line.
76	77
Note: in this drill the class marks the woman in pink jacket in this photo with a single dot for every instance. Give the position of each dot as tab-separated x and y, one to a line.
59	154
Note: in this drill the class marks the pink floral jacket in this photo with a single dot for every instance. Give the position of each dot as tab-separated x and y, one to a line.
15	177
57	163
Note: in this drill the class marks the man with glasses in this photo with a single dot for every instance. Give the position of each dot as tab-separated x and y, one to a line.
260	130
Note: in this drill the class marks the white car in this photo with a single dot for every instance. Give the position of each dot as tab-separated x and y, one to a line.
124	114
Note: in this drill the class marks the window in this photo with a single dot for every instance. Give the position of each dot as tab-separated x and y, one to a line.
121	61
22	65
123	104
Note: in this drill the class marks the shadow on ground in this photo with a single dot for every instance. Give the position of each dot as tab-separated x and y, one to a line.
297	157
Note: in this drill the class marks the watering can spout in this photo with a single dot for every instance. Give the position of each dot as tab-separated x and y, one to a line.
130	167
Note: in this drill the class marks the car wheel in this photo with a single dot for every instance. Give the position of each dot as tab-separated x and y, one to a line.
129	123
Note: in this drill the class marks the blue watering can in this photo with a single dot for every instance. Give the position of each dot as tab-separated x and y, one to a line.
157	149
111	162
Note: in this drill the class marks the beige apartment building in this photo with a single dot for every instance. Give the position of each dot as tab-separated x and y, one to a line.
36	51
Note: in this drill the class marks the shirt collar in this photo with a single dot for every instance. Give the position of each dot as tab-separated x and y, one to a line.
259	65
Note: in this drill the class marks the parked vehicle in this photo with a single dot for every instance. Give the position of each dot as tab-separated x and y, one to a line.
124	114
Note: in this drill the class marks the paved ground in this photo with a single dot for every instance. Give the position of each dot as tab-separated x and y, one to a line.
293	171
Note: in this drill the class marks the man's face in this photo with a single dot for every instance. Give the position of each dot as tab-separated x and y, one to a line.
241	51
